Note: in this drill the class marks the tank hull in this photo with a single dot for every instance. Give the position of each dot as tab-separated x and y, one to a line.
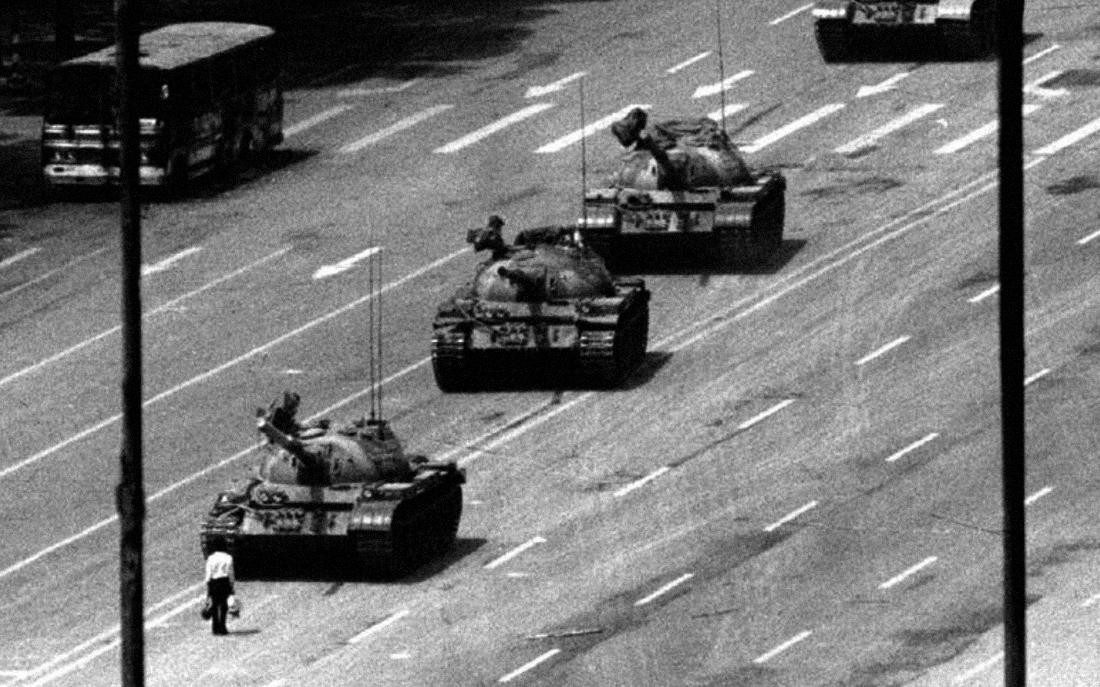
741	226
847	29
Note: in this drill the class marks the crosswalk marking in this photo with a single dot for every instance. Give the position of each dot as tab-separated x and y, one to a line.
394	128
588	130
800	123
870	139
976	135
485	131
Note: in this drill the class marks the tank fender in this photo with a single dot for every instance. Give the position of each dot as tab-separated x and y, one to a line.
372	516
955	9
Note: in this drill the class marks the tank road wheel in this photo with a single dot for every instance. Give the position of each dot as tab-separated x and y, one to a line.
834	40
966	40
451	361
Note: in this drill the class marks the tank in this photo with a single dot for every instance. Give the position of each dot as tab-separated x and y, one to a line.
683	192
963	29
351	492
546	302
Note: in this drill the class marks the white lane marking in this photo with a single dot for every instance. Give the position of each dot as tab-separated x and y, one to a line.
346	264
539	91
401	655
979	669
788	129
767	413
723	85
1037	376
17	674
984	294
533	541
1070	138
1036	87
792	13
166	263
1083	241
159	309
276	683
790	516
664	590
353	92
1038	495
21	255
576	136
688	62
379	626
912	447
396	127
314	120
47	275
1091	601
769	655
529	665
486	131
729	109
236	361
643	481
977	134
871	138
881	350
881	87
900	577
1042	53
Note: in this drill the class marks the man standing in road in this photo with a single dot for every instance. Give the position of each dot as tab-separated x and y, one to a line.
219	583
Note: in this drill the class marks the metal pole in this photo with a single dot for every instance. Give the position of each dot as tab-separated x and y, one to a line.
1011	248
130	493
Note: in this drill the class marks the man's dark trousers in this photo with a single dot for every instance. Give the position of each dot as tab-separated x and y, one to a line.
219	590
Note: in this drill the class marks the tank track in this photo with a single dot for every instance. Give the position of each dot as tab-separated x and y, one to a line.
422	528
451	363
834	40
607	356
753	246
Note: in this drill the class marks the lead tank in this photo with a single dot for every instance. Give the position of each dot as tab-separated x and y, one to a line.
683	191
963	29
545	302
352	492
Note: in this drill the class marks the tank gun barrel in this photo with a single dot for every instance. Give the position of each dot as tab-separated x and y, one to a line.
291	444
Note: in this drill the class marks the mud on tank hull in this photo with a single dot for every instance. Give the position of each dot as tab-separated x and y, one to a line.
381	528
741	226
846	29
602	340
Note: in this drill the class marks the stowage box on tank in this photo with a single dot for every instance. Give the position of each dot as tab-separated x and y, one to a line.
352	492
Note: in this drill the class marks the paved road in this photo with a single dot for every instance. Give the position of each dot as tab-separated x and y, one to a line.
800	487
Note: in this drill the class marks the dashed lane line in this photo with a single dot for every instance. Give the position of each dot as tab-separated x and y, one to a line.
379	626
871	138
396	127
21	255
643	481
912	447
977	670
649	598
688	62
1070	138
529	665
976	135
769	655
166	263
790	516
908	572
532	542
882	350
793	13
598	125
984	294
314	120
1042	53
723	85
46	275
728	109
788	129
1038	495
1037	376
489	130
766	414
1090	237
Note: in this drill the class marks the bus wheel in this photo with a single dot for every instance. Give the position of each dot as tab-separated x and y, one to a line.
175	178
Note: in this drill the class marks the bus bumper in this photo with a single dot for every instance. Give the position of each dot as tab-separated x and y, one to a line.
97	175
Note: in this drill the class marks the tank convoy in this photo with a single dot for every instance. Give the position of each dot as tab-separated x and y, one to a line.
967	28
683	191
350	492
547	298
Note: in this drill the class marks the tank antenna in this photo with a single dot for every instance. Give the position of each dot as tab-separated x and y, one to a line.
370	327
584	169
721	66
378	295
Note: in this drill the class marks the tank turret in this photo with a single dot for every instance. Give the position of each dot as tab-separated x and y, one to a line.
544	298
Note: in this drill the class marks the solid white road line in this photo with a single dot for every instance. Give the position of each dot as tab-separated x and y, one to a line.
977	134
792	13
688	62
1042	53
769	655
396	127
723	85
872	137
1090	237
47	275
790	516
1037	376
486	131
159	309
788	129
729	109
984	294
643	481
1038	495
893	581
529	665
912	447
882	350
664	590
767	413
598	125
21	255
979	669
379	626
166	263
346	264
314	120
533	541
1070	138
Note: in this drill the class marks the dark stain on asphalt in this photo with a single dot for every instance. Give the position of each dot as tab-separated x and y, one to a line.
749	121
977	279
873	184
1060	554
489	417
516	196
1073	185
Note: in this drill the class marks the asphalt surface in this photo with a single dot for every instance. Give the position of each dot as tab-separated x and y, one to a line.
801	486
